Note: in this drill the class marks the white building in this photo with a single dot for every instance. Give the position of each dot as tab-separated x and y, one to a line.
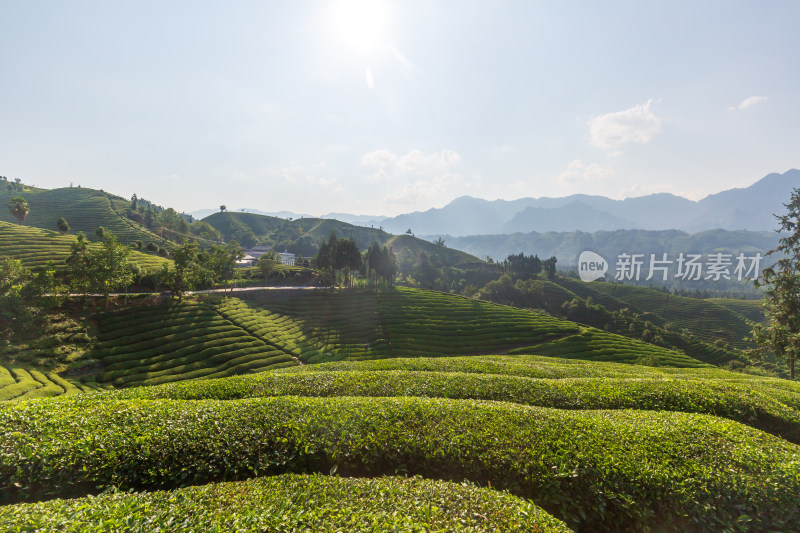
285	258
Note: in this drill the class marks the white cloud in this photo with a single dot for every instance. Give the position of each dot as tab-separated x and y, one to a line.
411	161
378	159
384	166
578	171
449	157
637	124
422	190
748	102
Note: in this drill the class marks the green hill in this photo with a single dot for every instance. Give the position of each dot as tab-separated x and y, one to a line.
35	247
705	319
221	336
304	236
580	302
84	209
178	341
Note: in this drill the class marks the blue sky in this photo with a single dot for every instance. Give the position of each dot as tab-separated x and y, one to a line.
383	107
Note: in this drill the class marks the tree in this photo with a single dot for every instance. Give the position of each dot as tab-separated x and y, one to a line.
222	208
780	332
134	202
381	264
439	242
62	225
221	260
100	232
266	264
19	208
346	259
108	266
549	266
188	272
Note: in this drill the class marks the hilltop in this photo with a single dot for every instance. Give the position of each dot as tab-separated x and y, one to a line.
84	209
303	236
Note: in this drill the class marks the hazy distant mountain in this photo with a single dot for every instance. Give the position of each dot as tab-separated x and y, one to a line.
567	246
358	220
749	208
203	213
571	217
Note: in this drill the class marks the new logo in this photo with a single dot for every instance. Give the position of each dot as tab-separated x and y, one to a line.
591	266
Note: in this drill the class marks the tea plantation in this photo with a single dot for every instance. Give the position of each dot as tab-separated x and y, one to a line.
84	209
616	470
34	247
707	319
217	337
151	345
17	383
381	411
294	502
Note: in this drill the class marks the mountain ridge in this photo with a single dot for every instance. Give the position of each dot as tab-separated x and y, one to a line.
744	208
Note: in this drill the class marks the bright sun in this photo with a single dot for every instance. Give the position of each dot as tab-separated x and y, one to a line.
360	25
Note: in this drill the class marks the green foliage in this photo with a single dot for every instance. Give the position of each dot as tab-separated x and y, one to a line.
62	225
17	383
86	209
198	269
780	334
25	295
266	265
35	247
294	503
102	269
339	258
751	401
381	264
205	231
172	342
598	470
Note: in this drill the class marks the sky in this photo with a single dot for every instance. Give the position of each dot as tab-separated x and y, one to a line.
384	107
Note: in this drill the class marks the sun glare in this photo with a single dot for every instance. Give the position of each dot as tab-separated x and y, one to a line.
360	25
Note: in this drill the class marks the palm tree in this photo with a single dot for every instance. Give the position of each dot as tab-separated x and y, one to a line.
19	208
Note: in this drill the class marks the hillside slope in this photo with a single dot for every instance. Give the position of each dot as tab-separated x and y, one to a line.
221	336
304	236
35	247
84	209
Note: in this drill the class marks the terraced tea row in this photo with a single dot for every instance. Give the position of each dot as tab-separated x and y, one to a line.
705	319
597	345
22	384
751	401
225	336
428	323
35	247
340	325
173	342
292	502
597	470
84	209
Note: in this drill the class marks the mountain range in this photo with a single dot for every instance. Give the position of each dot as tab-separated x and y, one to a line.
749	208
